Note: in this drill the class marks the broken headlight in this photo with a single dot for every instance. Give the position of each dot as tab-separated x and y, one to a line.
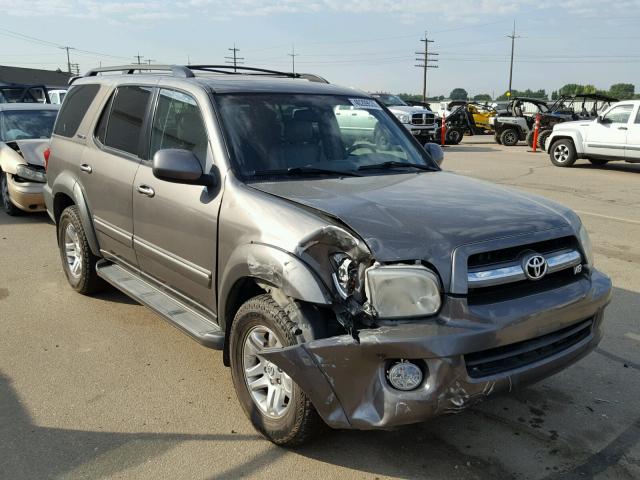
28	173
400	291
345	275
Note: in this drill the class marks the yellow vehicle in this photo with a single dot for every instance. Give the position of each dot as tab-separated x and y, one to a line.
482	115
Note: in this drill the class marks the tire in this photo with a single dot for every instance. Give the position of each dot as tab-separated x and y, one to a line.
72	239
598	162
530	139
563	153
497	139
298	422
454	136
509	137
542	138
8	207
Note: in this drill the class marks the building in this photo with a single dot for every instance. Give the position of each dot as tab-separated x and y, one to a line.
33	76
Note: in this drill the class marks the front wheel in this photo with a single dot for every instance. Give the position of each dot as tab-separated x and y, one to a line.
542	138
530	139
509	137
78	262
275	404
454	136
8	206
563	153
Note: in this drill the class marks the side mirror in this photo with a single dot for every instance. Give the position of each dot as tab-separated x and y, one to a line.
180	166
435	151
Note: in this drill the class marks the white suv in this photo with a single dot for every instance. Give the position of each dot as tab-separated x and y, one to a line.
614	135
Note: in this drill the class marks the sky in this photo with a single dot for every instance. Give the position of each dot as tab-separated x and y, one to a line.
366	44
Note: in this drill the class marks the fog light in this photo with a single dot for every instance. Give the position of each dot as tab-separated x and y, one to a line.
404	375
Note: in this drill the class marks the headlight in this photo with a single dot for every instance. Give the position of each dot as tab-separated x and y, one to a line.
403	117
28	173
398	291
585	242
345	275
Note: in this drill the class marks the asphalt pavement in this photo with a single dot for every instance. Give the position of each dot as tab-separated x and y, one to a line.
103	388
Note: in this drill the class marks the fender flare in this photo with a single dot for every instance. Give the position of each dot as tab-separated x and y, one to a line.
575	137
274	267
67	185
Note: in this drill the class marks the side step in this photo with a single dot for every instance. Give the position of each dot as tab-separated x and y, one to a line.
193	324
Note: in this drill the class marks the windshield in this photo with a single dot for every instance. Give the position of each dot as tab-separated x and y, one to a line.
280	133
391	100
26	124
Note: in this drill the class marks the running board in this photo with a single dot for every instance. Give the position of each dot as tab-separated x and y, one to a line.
201	329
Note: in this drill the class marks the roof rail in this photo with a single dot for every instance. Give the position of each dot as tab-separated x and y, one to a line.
231	70
186	71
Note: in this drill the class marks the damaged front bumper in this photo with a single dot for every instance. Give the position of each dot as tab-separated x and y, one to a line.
470	351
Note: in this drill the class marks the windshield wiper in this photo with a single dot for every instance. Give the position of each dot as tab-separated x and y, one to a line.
305	171
396	164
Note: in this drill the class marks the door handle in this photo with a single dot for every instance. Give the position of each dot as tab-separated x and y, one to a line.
146	190
622	128
86	168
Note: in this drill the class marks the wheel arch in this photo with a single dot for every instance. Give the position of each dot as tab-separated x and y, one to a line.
575	138
253	269
66	192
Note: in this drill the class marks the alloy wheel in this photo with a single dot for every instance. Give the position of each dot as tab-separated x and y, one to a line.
561	153
270	388
72	250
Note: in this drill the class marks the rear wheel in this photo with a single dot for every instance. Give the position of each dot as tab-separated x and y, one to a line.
598	161
496	137
509	137
542	138
530	139
8	207
78	262
276	406
454	136
562	153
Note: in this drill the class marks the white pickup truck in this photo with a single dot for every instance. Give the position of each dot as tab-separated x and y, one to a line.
614	135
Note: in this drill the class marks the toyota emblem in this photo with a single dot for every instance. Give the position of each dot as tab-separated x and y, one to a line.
534	266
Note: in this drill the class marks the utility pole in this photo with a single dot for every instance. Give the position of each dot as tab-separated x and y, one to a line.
139	57
149	60
293	56
425	59
513	37
68	58
234	60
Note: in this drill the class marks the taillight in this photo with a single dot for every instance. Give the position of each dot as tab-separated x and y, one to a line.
46	155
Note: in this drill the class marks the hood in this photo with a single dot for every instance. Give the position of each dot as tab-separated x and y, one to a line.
424	216
31	150
408	109
573	125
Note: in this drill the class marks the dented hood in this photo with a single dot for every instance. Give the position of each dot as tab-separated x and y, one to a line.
32	150
423	215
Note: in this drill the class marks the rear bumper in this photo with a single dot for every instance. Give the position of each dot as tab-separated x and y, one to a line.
26	196
346	379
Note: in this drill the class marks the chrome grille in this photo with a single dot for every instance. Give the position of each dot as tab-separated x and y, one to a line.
422	118
499	267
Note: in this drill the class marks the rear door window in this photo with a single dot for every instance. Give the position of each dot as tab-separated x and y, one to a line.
79	100
128	110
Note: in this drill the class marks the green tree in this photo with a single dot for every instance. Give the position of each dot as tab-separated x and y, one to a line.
541	94
622	91
458	94
482	97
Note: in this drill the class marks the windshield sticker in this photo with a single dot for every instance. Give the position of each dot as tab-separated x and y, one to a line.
365	103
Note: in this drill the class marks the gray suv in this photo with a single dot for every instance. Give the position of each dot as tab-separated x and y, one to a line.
348	282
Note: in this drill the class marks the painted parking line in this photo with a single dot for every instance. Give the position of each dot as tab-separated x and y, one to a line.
633	336
608	217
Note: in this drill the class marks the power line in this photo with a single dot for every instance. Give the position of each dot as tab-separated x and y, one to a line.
234	60
425	63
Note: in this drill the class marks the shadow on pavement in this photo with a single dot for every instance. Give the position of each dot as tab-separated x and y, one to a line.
25	218
30	451
612	166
